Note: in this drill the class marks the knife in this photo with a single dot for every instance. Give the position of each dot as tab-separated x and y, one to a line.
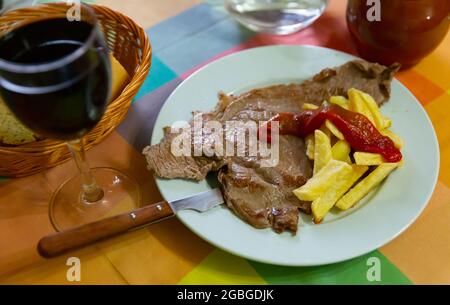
62	242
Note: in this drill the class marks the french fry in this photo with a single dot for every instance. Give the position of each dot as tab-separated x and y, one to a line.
309	142
323	180
308	106
347	159
379	120
334	130
341	151
364	158
365	186
322	205
357	104
322	150
398	142
340	101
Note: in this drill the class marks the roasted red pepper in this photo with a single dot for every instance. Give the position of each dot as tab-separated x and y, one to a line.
359	132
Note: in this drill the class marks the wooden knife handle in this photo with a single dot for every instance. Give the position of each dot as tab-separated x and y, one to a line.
62	242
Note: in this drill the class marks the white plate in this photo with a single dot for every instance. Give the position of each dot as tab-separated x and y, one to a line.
382	216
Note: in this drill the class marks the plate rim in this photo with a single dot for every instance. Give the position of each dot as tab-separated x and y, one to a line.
374	247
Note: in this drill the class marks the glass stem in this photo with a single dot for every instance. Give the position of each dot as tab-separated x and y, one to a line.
91	192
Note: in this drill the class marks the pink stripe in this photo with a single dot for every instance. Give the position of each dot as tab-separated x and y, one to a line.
322	33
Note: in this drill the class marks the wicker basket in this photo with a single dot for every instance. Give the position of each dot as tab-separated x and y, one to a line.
128	43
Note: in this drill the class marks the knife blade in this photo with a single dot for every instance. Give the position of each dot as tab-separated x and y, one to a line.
201	202
61	242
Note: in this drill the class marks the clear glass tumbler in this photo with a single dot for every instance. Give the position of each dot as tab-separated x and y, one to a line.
281	17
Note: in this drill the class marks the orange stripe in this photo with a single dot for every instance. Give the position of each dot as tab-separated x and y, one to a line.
437	110
423	251
94	269
420	86
436	66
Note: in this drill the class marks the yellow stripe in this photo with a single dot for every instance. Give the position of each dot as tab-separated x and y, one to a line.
222	268
163	254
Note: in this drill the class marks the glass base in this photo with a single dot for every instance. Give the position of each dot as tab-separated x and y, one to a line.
280	17
69	209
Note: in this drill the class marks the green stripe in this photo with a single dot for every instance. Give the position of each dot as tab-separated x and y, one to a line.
349	272
159	75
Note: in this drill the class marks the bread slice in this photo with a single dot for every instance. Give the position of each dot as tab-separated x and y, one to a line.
12	132
119	78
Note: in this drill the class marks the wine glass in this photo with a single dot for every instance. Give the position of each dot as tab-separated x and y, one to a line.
55	77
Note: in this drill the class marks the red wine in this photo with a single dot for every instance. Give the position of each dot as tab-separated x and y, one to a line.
60	87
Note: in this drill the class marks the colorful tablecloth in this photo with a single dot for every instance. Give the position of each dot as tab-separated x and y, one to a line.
168	253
